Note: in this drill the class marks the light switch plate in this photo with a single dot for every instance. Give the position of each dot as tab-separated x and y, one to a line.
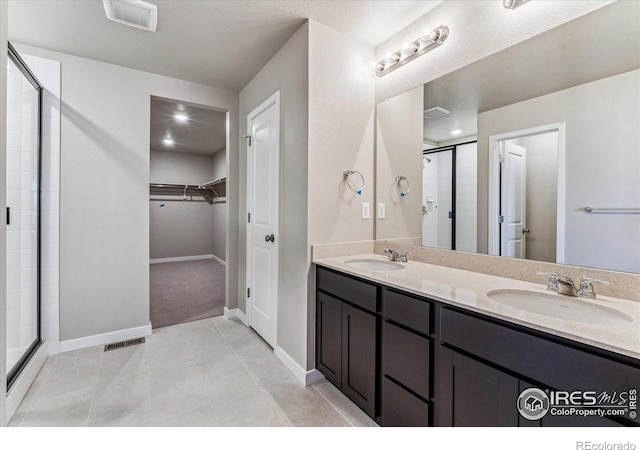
365	211
381	210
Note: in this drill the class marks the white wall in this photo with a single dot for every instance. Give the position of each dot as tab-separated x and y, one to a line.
477	29
104	189
341	136
466	197
3	212
180	228
399	145
286	72
542	192
602	161
220	215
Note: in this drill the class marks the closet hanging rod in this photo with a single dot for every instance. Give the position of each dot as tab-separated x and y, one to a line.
177	200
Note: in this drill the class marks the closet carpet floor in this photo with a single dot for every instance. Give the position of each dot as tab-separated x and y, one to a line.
186	291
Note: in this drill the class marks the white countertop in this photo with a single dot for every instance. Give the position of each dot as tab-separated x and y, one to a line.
469	290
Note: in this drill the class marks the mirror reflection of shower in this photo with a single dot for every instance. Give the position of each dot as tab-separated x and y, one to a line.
449	196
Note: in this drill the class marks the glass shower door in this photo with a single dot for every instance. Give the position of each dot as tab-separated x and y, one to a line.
23	214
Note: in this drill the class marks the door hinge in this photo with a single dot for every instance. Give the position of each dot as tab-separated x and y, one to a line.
501	153
500	219
8	215
249	217
248	292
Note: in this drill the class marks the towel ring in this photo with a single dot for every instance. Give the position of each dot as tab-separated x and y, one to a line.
399	180
347	176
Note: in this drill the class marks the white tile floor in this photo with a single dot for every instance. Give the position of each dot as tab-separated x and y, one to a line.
213	372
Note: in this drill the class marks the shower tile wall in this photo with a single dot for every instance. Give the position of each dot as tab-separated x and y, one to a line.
22	238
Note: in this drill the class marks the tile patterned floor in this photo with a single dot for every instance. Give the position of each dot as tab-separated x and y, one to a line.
213	372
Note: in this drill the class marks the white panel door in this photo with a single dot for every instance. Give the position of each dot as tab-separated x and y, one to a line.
513	197
263	156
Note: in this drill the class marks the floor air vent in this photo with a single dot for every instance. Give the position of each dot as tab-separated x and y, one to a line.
123	344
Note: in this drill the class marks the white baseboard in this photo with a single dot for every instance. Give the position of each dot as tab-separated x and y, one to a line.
105	338
219	260
180	259
25	380
306	377
53	347
235	312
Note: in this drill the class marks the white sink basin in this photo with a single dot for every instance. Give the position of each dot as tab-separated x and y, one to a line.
571	309
375	265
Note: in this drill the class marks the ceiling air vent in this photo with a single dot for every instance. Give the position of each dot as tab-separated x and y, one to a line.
134	13
435	112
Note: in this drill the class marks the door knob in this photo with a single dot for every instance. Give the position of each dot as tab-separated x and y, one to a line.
270	237
525	231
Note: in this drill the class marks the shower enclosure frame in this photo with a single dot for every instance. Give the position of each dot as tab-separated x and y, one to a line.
453	148
19	366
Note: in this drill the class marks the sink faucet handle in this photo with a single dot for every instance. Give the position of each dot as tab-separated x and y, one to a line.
403	256
552	284
391	253
586	286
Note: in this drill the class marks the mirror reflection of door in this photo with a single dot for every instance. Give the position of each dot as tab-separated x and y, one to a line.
528	196
449	185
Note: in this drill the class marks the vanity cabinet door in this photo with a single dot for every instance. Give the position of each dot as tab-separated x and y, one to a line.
359	357
329	337
472	394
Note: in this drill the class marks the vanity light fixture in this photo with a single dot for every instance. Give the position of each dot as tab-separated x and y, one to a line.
428	41
513	4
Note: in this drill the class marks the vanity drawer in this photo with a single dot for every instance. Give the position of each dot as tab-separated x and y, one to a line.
401	408
406	358
357	292
408	311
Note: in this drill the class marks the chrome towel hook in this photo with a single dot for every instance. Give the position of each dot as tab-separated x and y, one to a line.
399	180
347	176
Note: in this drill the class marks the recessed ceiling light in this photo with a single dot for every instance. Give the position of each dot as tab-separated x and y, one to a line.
456	132
181	117
168	141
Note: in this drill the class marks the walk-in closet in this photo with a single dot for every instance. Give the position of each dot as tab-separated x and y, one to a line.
188	212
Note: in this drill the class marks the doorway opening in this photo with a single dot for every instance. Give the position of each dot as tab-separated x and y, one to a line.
188	211
526	194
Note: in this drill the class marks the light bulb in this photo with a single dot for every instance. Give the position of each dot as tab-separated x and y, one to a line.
168	141
456	132
181	117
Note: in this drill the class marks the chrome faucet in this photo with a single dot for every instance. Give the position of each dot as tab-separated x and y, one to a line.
586	287
404	256
552	284
561	285
567	287
392	254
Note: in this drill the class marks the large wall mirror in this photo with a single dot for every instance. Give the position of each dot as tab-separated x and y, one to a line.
533	152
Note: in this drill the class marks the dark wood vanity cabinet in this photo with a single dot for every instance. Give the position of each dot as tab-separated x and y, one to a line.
347	336
406	360
412	361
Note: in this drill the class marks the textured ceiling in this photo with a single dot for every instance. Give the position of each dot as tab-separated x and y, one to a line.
572	54
204	132
222	43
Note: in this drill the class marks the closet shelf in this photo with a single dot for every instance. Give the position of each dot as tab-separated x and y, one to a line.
212	192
